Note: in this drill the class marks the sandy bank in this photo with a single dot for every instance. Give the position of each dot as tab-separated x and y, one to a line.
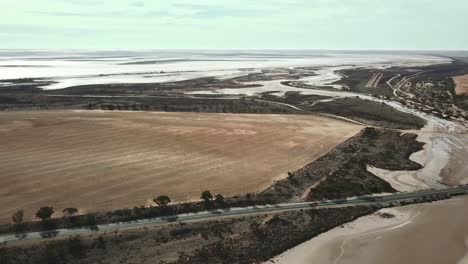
330	246
430	233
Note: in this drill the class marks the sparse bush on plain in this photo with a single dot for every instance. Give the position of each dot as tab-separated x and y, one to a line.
70	211
219	199
17	217
206	196
45	213
162	200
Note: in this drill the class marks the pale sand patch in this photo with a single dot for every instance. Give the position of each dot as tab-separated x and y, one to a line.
403	181
427	234
329	247
434	157
456	172
437	159
461	83
439	138
96	160
443	157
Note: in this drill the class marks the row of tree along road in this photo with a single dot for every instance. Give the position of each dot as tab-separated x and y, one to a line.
71	218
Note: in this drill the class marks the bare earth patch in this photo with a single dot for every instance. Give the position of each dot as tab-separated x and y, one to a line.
461	85
106	160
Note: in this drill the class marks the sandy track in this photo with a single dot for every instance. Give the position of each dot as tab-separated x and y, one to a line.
107	160
461	82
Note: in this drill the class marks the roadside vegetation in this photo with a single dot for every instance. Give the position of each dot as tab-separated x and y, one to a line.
162	208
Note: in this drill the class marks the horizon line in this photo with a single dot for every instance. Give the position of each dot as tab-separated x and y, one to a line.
222	49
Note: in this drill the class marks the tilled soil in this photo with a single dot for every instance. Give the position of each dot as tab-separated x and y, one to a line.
101	161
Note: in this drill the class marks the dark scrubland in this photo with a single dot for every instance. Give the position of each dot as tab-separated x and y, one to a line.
429	89
355	108
274	235
25	94
32	86
129	103
170	96
250	239
270	75
152	88
342	172
294	98
369	112
360	110
357	78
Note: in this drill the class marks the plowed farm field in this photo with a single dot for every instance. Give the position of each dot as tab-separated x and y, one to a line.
95	160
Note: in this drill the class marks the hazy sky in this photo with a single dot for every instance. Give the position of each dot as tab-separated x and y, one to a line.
234	24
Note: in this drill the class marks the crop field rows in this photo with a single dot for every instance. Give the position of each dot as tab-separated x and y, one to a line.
104	160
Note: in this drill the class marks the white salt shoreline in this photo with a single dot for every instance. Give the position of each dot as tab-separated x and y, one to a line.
84	69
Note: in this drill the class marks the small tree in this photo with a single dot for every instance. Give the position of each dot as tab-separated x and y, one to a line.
206	196
219	198
70	211
45	213
90	220
162	201
17	217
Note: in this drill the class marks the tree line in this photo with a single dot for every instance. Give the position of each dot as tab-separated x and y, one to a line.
45	213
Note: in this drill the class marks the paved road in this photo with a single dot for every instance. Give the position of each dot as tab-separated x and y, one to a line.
242	211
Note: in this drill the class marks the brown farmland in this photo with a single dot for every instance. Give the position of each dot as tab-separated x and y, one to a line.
461	83
108	160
